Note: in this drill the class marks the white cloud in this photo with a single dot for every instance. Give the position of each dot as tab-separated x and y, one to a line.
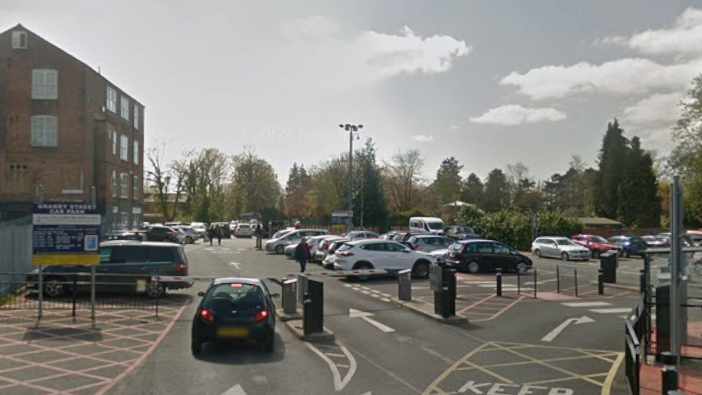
658	108
513	114
684	37
422	138
310	27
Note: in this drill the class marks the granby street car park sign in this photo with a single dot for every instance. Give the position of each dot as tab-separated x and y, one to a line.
66	234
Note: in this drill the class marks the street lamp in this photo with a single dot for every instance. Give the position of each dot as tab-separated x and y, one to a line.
353	130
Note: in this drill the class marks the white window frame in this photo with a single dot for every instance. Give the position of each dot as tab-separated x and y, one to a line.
113	132
44	131
19	40
45	84
124	220
124	108
111	101
114	183
124	183
136	117
135	187
124	148
135	154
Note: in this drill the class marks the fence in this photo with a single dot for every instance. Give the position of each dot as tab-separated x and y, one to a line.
567	280
527	282
634	330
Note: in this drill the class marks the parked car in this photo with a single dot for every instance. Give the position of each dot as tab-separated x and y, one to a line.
328	262
235	309
293	237
173	224
323	249
462	232
559	247
429	243
243	230
631	245
126	236
433	225
191	235
596	244
380	254
694	237
200	228
281	233
479	255
312	244
656	241
404	236
162	233
127	261
361	235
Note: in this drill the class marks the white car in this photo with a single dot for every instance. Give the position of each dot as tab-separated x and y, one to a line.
243	230
278	245
200	228
323	250
381	254
559	247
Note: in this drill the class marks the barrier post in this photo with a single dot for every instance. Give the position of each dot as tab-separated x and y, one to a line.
600	281
92	292
558	279
499	281
519	282
41	292
75	294
289	296
535	285
669	372
575	278
158	297
404	285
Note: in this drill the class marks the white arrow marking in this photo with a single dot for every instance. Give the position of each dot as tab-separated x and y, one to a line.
236	265
353	313
235	390
560	328
338	383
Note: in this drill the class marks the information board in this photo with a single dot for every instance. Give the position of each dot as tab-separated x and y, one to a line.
66	234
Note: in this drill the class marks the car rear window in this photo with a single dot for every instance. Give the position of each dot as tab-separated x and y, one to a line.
161	254
128	254
455	247
244	296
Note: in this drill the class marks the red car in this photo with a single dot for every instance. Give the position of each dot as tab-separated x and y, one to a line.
596	244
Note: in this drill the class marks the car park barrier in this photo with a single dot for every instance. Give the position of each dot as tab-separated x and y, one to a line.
313	308
341	273
567	280
289	295
404	285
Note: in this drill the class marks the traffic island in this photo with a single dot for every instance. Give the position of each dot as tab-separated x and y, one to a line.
284	317
427	310
296	328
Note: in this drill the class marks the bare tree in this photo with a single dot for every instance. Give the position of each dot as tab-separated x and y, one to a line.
158	175
402	178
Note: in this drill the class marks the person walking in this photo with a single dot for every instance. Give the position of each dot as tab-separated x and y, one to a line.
219	231
302	254
210	233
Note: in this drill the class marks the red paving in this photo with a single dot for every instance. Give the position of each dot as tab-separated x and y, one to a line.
75	356
690	381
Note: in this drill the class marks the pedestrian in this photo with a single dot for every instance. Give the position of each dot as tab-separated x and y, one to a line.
219	231
210	233
302	254
298	225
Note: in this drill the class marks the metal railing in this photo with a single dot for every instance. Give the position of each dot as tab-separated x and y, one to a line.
567	280
634	330
527	282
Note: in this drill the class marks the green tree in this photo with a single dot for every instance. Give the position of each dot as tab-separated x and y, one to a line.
523	189
448	180
473	190
369	200
296	204
205	177
496	191
327	190
254	183
612	161
639	204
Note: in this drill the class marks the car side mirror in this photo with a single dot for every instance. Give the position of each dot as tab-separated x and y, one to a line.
275	296
200	294
407	250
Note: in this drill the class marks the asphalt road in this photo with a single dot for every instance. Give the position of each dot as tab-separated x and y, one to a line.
393	351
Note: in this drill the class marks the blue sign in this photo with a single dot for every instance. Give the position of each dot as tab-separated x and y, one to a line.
66	234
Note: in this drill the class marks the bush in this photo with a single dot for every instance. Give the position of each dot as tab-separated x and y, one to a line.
401	218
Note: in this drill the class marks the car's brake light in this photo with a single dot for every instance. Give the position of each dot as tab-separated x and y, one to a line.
207	315
345	253
260	316
236	285
416	246
181	266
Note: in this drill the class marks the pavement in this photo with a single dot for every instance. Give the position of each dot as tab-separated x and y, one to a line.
554	344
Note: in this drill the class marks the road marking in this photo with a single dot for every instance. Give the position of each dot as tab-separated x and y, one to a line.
236	265
348	285
560	328
366	292
607	386
619	310
235	390
386	300
241	249
386	295
339	384
586	304
331	354
353	313
376	296
342	365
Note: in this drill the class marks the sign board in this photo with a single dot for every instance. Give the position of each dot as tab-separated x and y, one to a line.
342	213
246	215
66	234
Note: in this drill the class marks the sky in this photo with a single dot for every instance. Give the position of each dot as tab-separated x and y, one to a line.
489	82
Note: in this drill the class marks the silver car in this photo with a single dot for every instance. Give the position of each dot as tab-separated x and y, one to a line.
191	235
243	230
559	247
429	243
278	245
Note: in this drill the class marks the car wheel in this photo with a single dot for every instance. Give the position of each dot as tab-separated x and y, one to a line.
522	267
196	345
628	254
595	254
363	266
537	253
53	287
421	269
189	240
621	253
279	249
155	289
473	267
268	345
565	257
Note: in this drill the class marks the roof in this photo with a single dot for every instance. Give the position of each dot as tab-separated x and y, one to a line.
368	241
599	221
137	242
242	280
475	240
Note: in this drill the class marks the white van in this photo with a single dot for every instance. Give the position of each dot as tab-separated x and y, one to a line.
433	225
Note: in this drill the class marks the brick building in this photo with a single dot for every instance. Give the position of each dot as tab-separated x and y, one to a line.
63	129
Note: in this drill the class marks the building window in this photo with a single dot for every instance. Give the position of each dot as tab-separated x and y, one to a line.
114	142
136	221
125	108
135	154
124	220
136	117
114	183
19	40
111	99
124	148
44	131
136	187
125	186
45	84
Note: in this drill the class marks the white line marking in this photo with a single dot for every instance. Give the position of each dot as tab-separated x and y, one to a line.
375	291
353	313
376	296
586	304
612	310
235	390
365	292
386	295
236	265
241	249
386	300
342	365
560	328
348	285
331	354
338	383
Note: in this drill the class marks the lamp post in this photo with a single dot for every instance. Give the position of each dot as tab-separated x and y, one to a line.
353	130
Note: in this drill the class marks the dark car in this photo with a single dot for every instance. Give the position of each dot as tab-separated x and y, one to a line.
478	255
656	241
126	236
631	245
162	233
235	309
125	266
462	232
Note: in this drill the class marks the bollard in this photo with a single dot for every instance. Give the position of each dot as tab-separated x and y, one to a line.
669	372
289	296
535	284
575	279
404	285
600	281
499	281
558	280
642	281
